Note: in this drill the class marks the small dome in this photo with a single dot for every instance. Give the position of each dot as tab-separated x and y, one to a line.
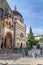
15	12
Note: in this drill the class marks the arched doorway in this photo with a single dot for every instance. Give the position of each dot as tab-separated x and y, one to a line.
21	45
21	36
8	41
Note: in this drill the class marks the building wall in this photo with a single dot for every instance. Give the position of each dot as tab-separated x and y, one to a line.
4	5
18	31
40	38
20	28
6	28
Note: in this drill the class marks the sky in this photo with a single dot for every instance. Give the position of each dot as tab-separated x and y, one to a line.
32	12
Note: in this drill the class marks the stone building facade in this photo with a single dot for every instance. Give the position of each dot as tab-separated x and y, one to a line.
12	27
40	38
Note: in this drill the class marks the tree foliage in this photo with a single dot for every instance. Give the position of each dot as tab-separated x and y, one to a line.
38	43
31	39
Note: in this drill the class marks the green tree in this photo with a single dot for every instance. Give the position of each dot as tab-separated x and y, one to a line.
38	43
30	39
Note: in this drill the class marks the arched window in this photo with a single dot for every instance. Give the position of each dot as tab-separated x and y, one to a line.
21	35
1	12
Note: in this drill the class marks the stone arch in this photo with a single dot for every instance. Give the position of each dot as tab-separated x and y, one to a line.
8	40
21	35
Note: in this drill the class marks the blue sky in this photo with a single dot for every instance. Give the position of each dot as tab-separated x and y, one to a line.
32	12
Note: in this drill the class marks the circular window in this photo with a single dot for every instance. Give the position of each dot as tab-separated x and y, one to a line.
1	12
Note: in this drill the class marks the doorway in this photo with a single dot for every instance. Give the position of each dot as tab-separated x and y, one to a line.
8	41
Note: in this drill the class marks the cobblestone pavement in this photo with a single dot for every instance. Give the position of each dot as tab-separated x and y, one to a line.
30	61
24	61
10	56
18	59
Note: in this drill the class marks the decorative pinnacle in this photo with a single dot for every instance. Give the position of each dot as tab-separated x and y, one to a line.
15	8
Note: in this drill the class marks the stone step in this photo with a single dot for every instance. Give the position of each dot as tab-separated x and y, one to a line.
8	50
